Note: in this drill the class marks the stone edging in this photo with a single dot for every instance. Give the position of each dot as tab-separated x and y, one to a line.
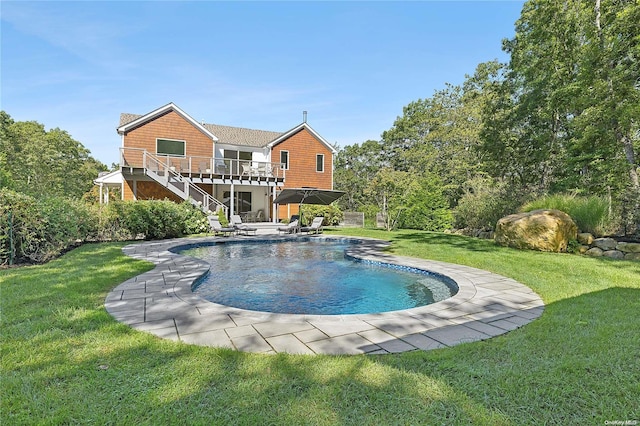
161	302
608	247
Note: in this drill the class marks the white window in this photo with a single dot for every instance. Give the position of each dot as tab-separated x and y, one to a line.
171	147
319	162
284	159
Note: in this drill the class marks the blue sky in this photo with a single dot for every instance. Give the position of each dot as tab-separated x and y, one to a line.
351	65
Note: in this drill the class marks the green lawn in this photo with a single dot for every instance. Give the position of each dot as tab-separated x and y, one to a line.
66	361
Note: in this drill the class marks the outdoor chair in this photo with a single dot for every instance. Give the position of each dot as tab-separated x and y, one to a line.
246	170
290	228
184	166
315	227
217	228
240	227
204	167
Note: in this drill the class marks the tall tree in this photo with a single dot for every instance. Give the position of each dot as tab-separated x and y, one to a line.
441	134
568	114
542	79
610	76
40	162
355	166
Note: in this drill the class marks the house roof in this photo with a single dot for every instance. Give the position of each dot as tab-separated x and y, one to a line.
109	178
141	119
126	118
241	136
224	134
298	128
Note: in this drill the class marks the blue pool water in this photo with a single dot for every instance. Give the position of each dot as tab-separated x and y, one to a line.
310	277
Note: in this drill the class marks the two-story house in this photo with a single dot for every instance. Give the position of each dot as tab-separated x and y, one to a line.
167	154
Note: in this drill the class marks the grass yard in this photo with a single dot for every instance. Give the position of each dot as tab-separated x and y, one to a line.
66	361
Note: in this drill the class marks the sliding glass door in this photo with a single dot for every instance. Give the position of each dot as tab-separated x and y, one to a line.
241	201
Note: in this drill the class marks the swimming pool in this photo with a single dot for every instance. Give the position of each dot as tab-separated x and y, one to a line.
312	276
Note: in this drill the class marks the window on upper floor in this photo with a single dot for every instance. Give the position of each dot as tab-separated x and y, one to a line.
171	147
284	159
237	155
319	162
235	166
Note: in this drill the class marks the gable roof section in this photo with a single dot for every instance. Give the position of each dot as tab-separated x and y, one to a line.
298	128
140	120
223	134
240	136
109	178
126	118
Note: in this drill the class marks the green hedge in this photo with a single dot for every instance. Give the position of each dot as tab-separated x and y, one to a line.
331	213
159	219
37	230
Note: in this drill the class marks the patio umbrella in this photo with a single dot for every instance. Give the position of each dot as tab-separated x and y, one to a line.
307	195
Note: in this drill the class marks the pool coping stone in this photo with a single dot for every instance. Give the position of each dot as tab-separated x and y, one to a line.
161	302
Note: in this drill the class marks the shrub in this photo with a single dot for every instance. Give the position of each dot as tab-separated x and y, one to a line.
484	202
110	227
195	221
591	214
331	213
158	219
38	230
426	207
224	222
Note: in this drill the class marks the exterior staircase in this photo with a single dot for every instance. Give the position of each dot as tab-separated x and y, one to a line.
160	172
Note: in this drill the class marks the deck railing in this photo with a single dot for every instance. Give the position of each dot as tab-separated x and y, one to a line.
205	166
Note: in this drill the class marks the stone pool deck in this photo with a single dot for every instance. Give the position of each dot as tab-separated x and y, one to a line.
161	302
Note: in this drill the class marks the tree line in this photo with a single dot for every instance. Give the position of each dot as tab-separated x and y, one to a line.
561	116
37	162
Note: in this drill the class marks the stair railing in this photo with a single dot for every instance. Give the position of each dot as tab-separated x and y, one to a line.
179	185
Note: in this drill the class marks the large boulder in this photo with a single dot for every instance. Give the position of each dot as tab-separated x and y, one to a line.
543	230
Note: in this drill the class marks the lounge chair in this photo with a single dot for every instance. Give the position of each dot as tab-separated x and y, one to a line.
315	227
290	228
217	228
240	227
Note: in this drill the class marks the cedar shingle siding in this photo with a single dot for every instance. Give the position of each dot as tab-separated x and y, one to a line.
169	126
303	148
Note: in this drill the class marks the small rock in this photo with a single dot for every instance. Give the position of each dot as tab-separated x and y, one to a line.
628	247
613	254
487	235
632	256
583	249
595	252
605	243
585	238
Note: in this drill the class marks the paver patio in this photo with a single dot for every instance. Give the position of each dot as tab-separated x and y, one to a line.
161	302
